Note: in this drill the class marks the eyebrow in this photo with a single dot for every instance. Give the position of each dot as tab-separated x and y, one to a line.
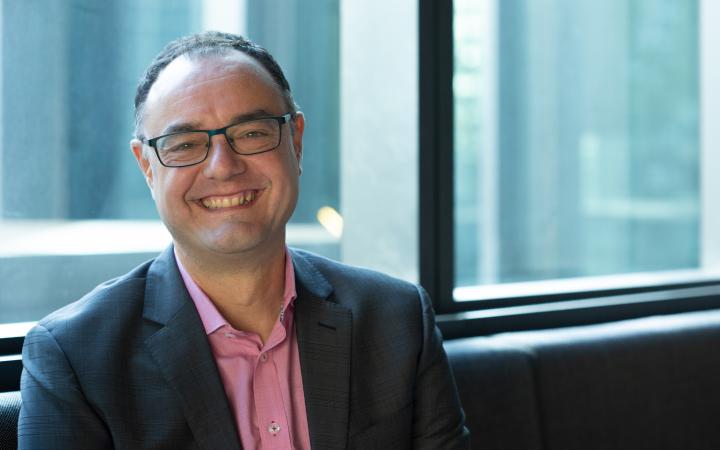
195	126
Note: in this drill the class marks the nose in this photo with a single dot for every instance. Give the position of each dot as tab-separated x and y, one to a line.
222	162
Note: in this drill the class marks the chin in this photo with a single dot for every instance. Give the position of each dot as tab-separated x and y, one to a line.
234	244
230	248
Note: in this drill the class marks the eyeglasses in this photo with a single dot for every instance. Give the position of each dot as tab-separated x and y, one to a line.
187	148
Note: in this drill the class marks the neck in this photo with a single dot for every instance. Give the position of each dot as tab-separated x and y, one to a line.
246	290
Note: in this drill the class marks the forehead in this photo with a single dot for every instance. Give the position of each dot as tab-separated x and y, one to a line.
203	88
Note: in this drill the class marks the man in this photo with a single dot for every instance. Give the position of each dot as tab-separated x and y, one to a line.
228	339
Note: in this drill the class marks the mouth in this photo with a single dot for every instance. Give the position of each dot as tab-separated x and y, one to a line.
245	198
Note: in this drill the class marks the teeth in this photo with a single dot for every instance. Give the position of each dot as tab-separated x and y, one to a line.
227	202
248	197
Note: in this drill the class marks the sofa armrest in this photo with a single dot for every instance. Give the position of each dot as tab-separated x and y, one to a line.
9	412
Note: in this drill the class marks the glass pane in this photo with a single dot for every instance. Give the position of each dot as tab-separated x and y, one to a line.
73	204
576	138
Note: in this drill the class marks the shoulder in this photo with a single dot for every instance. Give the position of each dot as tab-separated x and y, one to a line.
347	277
108	301
88	334
360	289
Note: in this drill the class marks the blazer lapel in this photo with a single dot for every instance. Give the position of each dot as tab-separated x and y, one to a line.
182	352
324	331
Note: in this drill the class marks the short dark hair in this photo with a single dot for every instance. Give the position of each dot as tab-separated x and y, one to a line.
208	43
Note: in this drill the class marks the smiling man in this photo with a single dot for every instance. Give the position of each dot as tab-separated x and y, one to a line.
228	339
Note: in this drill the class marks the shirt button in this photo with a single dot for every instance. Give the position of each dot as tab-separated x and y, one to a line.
263	358
274	428
230	335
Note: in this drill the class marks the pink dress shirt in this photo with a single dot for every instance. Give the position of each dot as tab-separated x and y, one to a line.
263	383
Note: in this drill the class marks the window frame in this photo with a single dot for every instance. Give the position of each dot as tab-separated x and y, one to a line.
667	293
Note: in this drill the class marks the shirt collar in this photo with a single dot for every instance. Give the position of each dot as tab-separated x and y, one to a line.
211	317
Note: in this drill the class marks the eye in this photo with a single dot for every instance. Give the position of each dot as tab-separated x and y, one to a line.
182	147
253	134
182	143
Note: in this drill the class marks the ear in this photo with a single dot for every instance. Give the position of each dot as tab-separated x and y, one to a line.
298	128
143	162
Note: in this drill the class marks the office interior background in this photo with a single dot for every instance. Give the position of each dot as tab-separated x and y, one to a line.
575	137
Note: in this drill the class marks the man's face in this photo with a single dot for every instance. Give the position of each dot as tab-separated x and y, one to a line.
229	204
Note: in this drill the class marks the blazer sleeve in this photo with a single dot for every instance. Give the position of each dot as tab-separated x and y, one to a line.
438	419
54	414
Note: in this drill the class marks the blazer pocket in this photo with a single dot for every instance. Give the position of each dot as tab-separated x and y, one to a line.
389	433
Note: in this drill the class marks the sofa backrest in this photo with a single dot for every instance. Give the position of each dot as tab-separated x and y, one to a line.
651	383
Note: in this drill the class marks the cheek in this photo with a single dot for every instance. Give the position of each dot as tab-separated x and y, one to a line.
290	164
291	183
170	187
288	174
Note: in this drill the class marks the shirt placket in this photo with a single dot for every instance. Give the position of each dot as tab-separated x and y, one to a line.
269	404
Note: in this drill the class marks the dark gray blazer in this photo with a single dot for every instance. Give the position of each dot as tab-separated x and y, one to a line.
129	366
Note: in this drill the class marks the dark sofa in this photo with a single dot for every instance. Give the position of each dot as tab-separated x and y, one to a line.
9	410
651	383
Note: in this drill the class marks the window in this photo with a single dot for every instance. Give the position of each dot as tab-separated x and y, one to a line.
506	154
577	139
577	158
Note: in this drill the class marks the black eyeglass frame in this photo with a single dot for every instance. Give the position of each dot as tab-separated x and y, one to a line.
281	120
